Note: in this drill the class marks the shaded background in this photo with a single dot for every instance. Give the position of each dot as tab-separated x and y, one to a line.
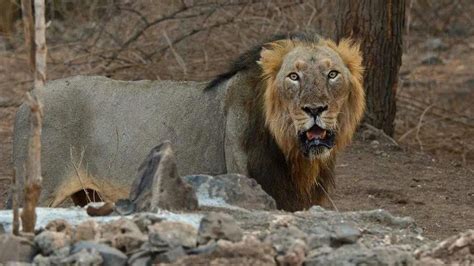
195	40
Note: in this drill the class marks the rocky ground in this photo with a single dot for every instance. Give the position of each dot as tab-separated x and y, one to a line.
223	220
226	234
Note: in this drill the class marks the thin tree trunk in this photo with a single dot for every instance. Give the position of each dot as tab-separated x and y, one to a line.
378	25
33	164
16	217
28	27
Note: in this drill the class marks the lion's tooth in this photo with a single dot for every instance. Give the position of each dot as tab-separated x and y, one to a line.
323	135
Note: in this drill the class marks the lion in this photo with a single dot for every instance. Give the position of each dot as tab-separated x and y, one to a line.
279	115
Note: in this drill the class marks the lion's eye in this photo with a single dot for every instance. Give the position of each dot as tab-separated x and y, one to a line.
294	76
332	74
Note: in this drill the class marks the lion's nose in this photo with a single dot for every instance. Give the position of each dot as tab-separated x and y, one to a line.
315	111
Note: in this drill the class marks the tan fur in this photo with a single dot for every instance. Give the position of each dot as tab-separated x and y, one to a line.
279	121
81	181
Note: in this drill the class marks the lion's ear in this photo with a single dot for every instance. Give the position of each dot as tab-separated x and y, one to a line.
350	53
271	57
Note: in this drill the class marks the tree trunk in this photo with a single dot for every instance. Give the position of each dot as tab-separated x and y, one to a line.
378	25
32	190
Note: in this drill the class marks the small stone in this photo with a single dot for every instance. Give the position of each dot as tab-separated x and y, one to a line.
435	44
110	256
295	255
128	243
344	234
284	238
53	259
320	238
120	226
87	230
215	226
384	217
59	225
50	242
14	248
431	59
41	260
84	257
172	234
249	251
143	220
139	258
203	249
122	234
125	207
171	255
374	143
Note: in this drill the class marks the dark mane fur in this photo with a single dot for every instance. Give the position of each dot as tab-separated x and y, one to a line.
266	163
248	60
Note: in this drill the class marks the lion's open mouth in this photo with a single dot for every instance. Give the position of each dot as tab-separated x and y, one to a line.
315	139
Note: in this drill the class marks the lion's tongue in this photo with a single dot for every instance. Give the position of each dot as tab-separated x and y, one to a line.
316	133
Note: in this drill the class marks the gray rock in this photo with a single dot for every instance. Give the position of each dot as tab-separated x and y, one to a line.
283	238
54	258
143	220
319	238
18	249
158	183
87	230
170	256
60	226
359	255
110	256
2	229
41	260
172	235
120	226
432	59
230	189
290	245
215	226
125	207
249	251
139	258
344	234
122	234
51	243
435	44
84	258
203	249
455	250
384	217
129	242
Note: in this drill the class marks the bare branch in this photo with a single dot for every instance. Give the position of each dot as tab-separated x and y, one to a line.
27	16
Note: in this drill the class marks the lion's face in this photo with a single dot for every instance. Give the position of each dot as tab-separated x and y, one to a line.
309	99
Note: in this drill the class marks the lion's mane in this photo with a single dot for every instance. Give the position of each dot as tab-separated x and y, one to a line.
274	159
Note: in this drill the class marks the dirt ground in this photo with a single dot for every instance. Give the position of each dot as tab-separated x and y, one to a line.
438	195
429	177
